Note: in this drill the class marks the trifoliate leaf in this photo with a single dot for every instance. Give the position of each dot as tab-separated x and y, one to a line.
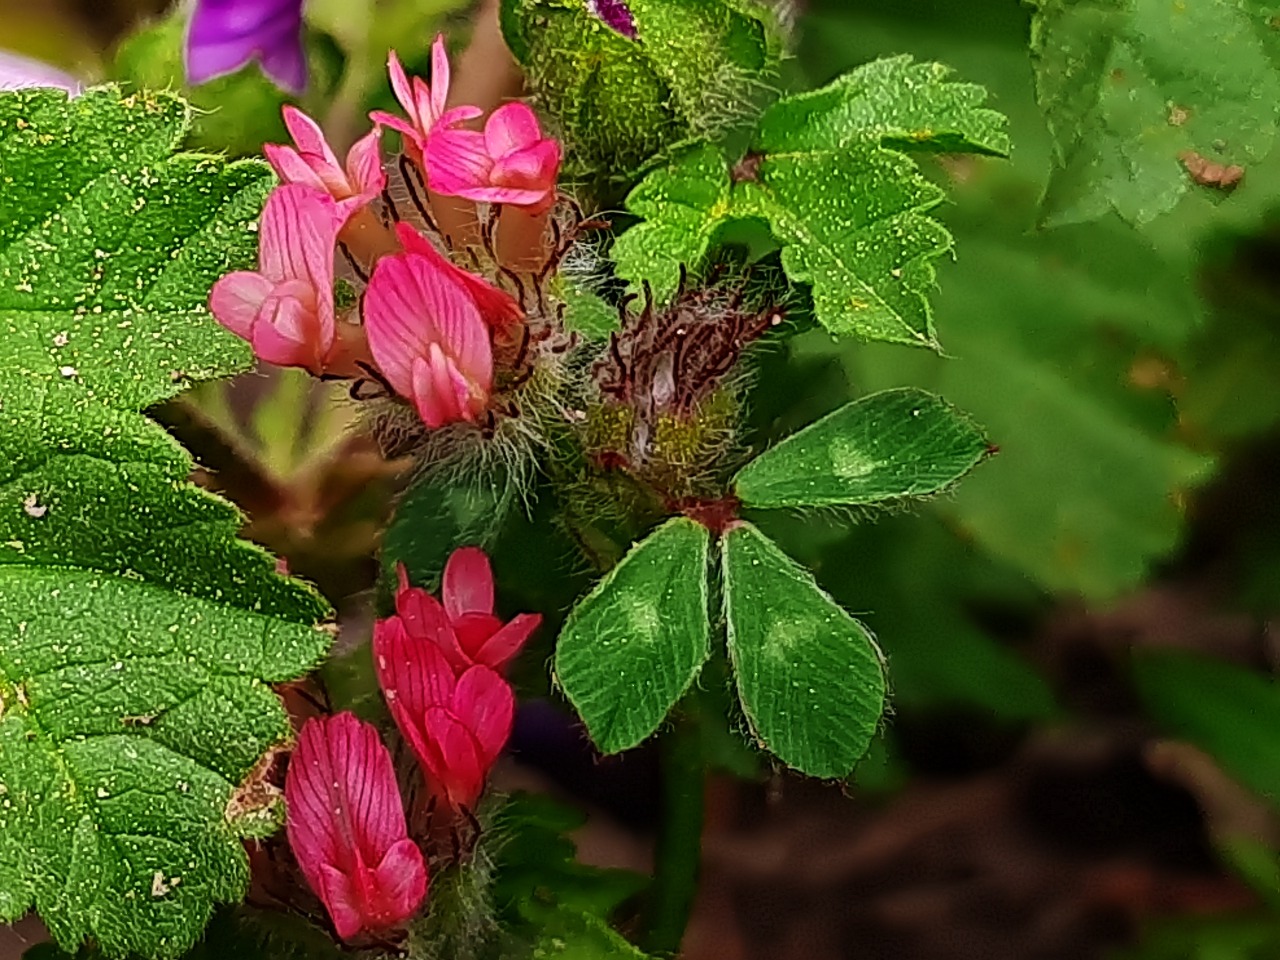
890	445
631	648
894	102
1137	93
137	635
851	214
810	677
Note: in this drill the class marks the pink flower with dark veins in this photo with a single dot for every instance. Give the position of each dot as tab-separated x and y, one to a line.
285	308
346	827
497	306
464	626
312	162
428	338
510	162
424	104
457	725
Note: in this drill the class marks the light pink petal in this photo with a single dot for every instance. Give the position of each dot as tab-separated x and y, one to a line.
291	167
496	306
499	649
287	331
309	137
411	305
483	701
236	299
457	161
439	78
399	125
456	764
364	166
467	585
456	115
400	85
440	391
297	237
513	126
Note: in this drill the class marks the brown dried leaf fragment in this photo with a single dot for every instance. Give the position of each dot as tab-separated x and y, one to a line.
1209	173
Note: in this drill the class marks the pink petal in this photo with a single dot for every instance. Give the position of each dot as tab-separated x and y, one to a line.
467	585
236	299
534	168
455	763
401	879
513	126
457	161
399	125
400	85
439	78
364	166
297	237
344	815
496	306
291	167
500	648
410	305
287	332
483	701
441	393
309	137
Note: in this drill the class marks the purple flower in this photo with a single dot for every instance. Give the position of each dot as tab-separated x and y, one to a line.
615	14
226	34
17	72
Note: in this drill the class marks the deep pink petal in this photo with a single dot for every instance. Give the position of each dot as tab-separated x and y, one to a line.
473	631
535	167
364	166
422	614
439	78
457	161
456	764
236	299
401	879
400	84
512	127
286	331
344	816
297	238
504	644
483	701
467	585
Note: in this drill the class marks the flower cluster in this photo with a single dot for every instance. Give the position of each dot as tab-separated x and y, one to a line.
424	327
438	664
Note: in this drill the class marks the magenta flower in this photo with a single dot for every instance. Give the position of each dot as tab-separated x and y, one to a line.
457	725
314	164
346	827
428	337
464	627
224	35
285	308
510	162
616	14
424	104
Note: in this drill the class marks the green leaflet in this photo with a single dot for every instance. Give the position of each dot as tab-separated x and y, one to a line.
631	648
810	677
827	174
1128	85
890	445
137	634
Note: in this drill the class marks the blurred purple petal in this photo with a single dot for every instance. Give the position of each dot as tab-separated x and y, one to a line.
226	34
17	72
615	14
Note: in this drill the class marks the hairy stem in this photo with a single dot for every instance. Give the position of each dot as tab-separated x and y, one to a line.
679	850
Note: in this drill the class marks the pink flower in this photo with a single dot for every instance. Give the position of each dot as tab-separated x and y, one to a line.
424	104
285	308
464	627
428	337
346	827
457	725
511	162
497	306
314	164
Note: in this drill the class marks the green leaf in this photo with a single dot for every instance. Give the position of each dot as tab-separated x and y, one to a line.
138	636
890	445
566	935
1228	711
810	677
631	648
1127	86
850	213
894	102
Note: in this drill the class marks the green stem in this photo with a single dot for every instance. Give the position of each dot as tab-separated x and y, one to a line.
679	849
